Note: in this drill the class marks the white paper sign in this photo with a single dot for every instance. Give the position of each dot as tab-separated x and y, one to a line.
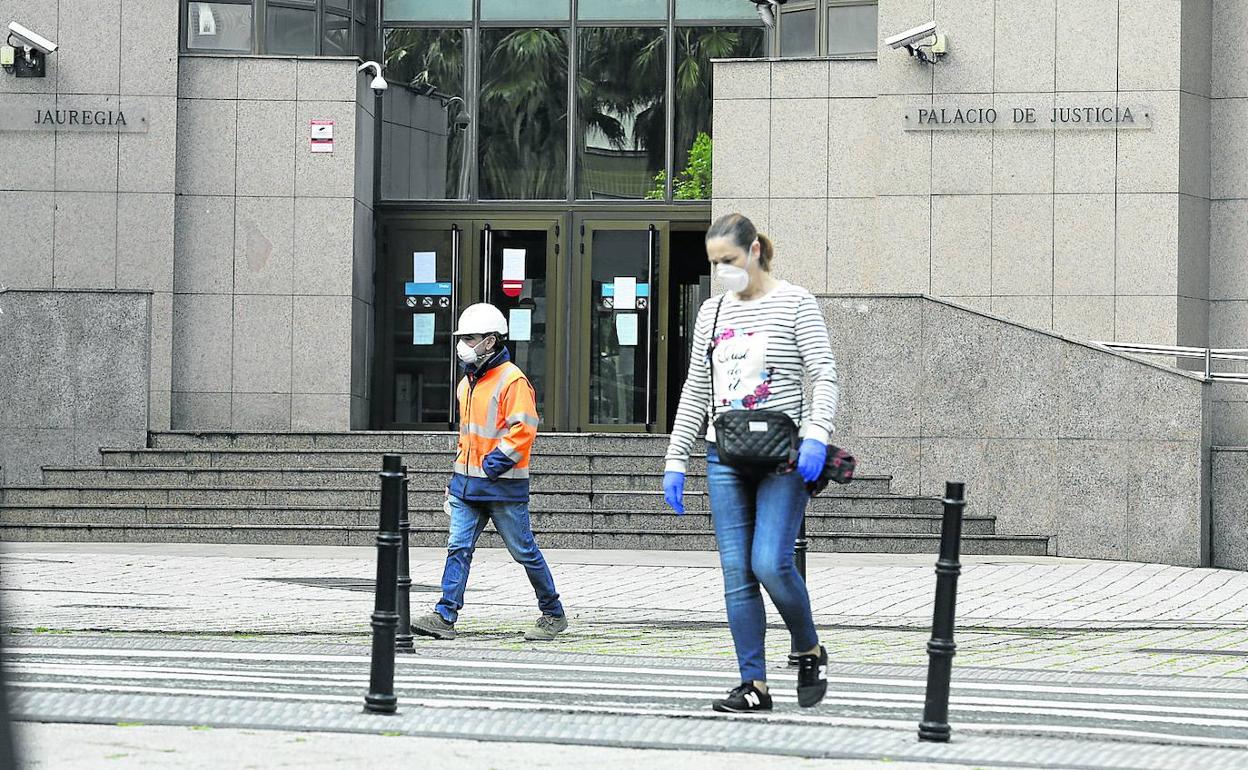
422	329
625	293
513	264
626	328
520	324
424	267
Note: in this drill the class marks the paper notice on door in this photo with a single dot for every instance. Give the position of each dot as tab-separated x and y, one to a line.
626	328
424	267
513	264
625	293
422	329
520	324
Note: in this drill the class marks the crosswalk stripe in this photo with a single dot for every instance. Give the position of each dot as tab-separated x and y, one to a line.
1127	712
607	708
405	661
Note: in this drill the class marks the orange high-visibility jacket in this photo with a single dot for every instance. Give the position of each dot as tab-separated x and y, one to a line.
497	424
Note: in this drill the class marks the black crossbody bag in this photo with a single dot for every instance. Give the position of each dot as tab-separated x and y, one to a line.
750	438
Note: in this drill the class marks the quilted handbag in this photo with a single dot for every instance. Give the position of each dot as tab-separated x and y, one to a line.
751	438
758	438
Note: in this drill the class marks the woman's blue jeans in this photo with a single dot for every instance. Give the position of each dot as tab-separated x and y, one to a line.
468	519
757	516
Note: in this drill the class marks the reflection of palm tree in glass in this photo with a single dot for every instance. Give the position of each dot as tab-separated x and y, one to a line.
620	96
522	112
434	57
695	47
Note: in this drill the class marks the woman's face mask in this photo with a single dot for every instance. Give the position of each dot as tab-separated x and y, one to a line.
735	278
732	277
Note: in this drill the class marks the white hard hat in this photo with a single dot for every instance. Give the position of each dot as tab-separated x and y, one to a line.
481	318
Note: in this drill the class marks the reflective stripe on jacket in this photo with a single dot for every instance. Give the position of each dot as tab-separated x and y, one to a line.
497	424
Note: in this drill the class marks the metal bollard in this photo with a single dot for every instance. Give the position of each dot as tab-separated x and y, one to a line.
8	747
941	648
800	546
403	639
380	698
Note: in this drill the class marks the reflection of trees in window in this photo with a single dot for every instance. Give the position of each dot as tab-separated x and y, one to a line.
695	47
620	93
431	63
523	114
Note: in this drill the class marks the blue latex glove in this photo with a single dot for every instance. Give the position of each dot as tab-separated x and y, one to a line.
674	490
810	458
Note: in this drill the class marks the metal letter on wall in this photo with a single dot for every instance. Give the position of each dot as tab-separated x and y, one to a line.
104	116
1023	117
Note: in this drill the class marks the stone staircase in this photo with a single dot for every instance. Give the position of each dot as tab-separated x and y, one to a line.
589	491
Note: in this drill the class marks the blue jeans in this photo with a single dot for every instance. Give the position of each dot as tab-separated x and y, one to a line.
511	520
756	517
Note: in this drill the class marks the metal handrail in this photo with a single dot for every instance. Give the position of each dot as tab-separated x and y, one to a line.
1208	355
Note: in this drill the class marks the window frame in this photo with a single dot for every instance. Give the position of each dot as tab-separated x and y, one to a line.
822	9
473	28
357	42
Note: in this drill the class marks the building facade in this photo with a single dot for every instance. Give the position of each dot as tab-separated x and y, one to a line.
283	249
572	134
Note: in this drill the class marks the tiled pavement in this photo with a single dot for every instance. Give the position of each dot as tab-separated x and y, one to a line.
1014	612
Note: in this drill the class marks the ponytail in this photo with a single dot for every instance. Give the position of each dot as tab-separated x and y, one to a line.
765	252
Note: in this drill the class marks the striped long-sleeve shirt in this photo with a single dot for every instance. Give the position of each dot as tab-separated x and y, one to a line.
762	350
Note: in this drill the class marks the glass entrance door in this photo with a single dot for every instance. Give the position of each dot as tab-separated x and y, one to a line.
432	270
421	292
518	261
623	339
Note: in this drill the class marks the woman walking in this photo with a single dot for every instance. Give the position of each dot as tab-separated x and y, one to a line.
752	349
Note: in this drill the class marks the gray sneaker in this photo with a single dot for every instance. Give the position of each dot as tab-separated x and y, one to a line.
433	625
546	628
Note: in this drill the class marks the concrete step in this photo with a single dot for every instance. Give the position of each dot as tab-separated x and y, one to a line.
360	478
635	444
417	499
367	459
1001	545
581	520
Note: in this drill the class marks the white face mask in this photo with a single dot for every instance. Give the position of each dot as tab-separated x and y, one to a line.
732	277
467	353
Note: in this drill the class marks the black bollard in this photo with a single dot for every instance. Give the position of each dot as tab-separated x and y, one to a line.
941	648
8	748
800	546
403	639
380	698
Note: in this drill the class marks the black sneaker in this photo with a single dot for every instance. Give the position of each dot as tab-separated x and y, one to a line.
744	699
812	678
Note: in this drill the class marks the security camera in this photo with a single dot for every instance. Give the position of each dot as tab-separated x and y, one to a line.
922	42
379	83
34	47
767	10
30	40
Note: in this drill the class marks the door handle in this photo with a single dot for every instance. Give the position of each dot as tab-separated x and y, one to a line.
488	239
451	412
652	293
